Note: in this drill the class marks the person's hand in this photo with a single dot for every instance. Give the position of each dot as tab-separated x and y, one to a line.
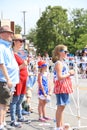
45	95
25	63
50	93
28	60
72	72
9	83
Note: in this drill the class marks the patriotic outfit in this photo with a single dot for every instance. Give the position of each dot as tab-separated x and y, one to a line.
45	85
63	87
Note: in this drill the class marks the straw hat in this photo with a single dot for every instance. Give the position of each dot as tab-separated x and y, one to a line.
5	28
17	37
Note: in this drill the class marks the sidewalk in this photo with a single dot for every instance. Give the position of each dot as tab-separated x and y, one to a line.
69	116
35	123
49	125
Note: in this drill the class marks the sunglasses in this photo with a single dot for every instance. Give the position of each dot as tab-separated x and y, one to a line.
19	40
64	51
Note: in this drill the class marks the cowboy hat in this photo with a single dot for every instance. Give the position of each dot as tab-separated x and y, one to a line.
5	28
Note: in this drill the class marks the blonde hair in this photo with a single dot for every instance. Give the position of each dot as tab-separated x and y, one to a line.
56	52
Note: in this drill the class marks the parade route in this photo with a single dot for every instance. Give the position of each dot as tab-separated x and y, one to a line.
70	114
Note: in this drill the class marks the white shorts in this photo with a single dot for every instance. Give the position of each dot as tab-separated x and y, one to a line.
42	97
47	99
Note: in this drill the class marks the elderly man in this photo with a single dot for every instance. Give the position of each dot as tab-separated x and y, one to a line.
9	71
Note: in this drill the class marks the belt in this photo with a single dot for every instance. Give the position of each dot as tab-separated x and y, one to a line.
3	83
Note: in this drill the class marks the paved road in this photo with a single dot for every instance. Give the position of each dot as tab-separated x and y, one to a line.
71	111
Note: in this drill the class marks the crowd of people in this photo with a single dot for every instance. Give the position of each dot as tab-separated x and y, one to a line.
18	76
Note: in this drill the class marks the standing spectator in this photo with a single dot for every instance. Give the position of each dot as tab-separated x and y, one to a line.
43	90
84	63
15	106
62	82
9	71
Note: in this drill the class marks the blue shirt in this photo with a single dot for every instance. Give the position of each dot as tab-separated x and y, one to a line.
7	58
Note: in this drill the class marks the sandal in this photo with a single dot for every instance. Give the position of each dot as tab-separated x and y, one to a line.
42	120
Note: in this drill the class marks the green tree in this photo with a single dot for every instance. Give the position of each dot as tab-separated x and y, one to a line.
78	25
82	41
55	27
52	29
31	36
18	29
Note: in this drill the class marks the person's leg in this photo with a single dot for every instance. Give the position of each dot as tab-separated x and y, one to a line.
19	106
40	108
59	116
62	101
6	109
1	115
44	111
5	97
44	108
13	105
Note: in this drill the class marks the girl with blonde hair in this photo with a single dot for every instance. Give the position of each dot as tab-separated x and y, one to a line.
62	82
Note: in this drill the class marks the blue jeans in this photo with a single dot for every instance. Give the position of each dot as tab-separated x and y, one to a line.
15	107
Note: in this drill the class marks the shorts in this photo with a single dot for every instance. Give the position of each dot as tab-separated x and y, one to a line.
5	94
42	97
47	99
62	99
29	93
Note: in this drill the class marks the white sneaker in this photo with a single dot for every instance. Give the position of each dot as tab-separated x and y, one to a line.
5	123
58	128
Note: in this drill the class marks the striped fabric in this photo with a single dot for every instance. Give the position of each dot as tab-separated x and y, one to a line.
63	86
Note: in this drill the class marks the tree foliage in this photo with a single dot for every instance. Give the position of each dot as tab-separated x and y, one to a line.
78	26
32	36
55	27
18	29
52	29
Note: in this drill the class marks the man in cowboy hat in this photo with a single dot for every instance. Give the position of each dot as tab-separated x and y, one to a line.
9	71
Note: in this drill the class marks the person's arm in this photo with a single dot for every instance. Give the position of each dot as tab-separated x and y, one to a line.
40	84
4	70
50	86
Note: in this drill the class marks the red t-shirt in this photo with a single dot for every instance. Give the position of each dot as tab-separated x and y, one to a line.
21	86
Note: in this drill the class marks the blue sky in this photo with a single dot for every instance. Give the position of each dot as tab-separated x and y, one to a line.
12	9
